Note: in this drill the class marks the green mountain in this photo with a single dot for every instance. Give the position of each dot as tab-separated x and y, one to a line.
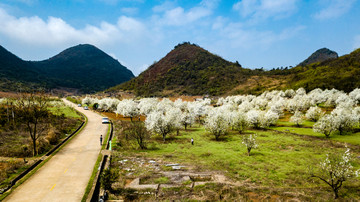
190	70
16	74
342	73
320	55
187	69
82	67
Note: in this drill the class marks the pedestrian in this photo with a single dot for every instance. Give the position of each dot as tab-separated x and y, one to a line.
192	141
101	140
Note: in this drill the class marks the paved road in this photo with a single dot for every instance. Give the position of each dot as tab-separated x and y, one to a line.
65	176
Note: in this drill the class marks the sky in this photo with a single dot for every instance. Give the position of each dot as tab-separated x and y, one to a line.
256	33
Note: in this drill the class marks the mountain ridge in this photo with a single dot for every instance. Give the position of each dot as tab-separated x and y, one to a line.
83	67
319	55
191	70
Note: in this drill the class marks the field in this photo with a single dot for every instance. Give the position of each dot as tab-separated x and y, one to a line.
15	143
277	169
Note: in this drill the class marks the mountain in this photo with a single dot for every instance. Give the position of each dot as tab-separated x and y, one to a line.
320	55
342	73
187	69
16	74
191	70
82	67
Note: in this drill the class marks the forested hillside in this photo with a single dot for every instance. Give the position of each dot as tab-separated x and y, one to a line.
82	67
190	70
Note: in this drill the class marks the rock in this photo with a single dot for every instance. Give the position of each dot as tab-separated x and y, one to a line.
174	164
177	167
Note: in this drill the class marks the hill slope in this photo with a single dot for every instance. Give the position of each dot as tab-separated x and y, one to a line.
17	74
187	69
320	55
82	67
342	73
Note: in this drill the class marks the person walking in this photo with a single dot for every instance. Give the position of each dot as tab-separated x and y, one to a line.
192	141
101	139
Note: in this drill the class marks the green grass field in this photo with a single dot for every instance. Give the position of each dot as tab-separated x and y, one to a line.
67	111
282	160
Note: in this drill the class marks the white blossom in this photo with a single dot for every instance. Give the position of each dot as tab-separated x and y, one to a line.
297	118
314	113
250	142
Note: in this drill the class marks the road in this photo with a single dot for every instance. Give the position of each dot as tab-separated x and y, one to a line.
65	176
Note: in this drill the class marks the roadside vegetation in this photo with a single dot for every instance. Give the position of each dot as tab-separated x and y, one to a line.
278	145
31	125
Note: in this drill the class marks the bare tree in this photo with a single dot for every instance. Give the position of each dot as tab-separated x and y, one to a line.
138	132
33	111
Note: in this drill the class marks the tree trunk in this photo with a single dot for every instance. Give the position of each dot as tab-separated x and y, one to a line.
34	146
248	149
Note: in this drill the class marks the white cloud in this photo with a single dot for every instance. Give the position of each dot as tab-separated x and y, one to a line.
334	9
167	5
55	31
177	16
258	10
356	42
130	10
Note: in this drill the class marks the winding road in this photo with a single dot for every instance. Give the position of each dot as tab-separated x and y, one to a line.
65	176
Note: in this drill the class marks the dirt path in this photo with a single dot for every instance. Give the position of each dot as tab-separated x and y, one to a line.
66	175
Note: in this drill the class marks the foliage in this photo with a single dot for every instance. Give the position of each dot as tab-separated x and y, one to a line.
157	122
127	108
335	170
297	118
325	125
138	132
239	122
314	113
33	110
108	177
216	123
250	142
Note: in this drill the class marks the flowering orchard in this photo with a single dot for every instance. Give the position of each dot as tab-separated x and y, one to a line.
244	111
328	113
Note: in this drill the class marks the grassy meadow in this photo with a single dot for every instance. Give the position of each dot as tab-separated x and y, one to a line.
279	165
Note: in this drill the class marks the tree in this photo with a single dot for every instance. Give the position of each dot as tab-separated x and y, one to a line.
325	125
216	123
108	177
297	118
127	108
270	118
187	119
86	101
138	132
255	118
239	122
157	122
344	119
335	170
314	113
250	142
33	110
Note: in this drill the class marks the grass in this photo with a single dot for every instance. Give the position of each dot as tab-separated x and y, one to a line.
67	111
275	163
22	180
282	160
353	138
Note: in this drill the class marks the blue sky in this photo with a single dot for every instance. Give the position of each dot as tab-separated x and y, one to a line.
257	33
